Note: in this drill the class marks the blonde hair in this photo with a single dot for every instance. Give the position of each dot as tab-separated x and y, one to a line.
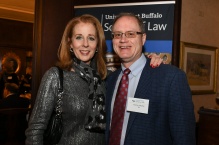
64	54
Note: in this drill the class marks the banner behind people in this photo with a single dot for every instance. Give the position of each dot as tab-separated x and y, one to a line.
158	18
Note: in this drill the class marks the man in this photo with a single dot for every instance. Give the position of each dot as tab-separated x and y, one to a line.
12	99
159	108
25	85
13	122
7	74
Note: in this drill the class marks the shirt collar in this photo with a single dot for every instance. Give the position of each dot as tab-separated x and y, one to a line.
137	66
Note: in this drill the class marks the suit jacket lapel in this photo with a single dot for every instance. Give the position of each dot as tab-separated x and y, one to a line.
111	86
111	83
141	91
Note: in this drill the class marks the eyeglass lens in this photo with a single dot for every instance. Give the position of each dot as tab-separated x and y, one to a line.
128	34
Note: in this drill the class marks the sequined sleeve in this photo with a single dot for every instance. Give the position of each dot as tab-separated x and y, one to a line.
42	108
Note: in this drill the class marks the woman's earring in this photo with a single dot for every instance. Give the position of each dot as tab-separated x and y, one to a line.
71	49
96	51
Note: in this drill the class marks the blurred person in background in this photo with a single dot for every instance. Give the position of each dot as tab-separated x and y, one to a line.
8	75
11	98
25	83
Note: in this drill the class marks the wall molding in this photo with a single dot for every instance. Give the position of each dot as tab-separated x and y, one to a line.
16	10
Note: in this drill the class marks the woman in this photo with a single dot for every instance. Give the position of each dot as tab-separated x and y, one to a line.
83	43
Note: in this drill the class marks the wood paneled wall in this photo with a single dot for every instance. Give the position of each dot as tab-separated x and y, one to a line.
50	20
17	37
16	34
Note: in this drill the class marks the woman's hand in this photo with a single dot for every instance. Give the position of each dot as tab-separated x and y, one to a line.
156	60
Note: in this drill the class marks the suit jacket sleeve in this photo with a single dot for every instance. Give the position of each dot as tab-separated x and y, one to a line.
181	111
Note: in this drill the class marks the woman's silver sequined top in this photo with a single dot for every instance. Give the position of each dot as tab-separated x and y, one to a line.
76	106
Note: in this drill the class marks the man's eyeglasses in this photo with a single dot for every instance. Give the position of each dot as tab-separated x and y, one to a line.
128	34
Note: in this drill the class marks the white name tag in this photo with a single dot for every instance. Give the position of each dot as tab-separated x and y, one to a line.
138	105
